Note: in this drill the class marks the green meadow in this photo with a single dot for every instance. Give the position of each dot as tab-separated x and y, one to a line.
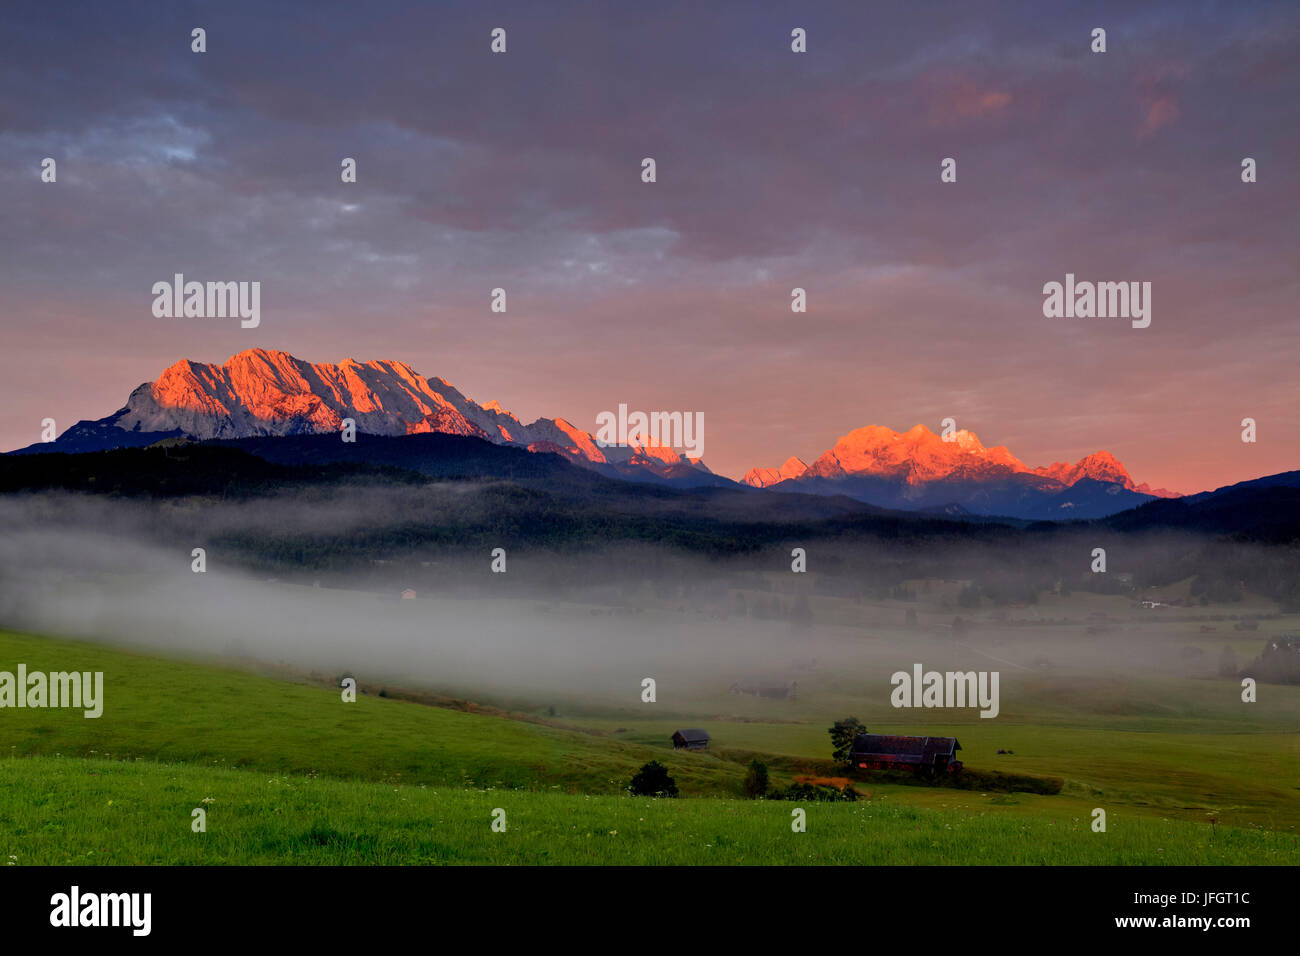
56	810
178	711
288	773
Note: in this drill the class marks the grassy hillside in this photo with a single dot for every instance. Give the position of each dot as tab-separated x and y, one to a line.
183	711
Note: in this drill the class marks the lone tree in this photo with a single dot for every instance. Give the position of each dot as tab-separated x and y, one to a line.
842	733
756	779
652	780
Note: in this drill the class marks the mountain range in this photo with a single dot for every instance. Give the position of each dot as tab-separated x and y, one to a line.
919	470
259	393
271	394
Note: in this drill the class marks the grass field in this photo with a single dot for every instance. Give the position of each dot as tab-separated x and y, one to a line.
289	773
59	810
186	712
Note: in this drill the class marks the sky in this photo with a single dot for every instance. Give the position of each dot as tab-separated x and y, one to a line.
820	170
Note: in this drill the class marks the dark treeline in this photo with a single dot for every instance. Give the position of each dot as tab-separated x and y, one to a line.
361	522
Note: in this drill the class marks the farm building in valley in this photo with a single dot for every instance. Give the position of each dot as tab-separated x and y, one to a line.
777	689
890	752
690	739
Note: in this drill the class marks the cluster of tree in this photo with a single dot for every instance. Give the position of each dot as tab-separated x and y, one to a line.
182	471
1278	663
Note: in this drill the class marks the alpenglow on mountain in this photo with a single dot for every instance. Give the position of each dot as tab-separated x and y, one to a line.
260	394
918	469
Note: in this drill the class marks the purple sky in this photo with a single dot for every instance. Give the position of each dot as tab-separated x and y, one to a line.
775	170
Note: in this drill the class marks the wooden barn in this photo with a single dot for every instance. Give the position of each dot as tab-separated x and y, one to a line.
776	689
690	739
890	752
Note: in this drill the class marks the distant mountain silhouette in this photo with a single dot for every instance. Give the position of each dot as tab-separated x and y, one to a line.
1262	509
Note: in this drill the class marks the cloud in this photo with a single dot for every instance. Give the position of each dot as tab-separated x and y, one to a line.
955	100
775	169
1159	95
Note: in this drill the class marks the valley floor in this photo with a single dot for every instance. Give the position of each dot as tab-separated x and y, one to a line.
288	774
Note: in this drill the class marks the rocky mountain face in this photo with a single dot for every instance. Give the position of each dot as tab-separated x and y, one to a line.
267	394
922	470
260	393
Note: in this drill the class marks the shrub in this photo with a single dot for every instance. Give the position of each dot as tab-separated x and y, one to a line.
652	780
815	792
756	781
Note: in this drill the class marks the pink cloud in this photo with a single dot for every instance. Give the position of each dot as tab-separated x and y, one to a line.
1158	96
1160	113
957	99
